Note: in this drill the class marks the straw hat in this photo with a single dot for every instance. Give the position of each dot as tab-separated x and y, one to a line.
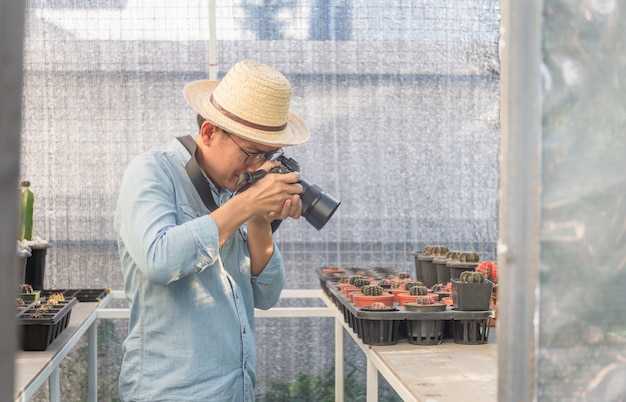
251	101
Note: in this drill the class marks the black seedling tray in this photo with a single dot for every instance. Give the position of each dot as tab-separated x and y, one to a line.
82	295
37	333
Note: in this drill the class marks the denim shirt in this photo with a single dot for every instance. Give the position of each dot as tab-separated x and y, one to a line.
191	326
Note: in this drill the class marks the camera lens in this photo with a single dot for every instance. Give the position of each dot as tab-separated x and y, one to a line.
317	205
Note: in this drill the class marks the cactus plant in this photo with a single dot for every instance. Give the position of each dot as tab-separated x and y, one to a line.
435	250
438	287
404	275
469	256
372	290
425	300
418	291
489	269
355	277
453	255
408	285
472	277
385	283
378	306
428	249
360	282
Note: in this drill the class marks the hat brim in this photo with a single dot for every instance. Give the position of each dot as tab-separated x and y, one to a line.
198	94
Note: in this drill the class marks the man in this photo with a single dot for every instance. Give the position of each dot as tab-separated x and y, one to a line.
193	272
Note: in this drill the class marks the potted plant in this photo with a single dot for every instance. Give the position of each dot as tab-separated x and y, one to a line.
414	291
468	260
429	271
490	270
441	290
425	331
370	294
418	265
471	292
26	293
441	265
36	262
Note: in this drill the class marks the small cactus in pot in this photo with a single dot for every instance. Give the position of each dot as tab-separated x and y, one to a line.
410	284
354	278
360	282
453	255
489	269
418	291
469	256
372	290
472	277
378	306
425	300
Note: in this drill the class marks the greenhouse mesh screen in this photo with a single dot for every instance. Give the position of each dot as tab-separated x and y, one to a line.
401	98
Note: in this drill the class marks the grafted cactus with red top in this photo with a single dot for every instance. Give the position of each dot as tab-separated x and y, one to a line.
489	269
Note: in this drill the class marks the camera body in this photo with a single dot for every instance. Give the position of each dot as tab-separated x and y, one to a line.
317	205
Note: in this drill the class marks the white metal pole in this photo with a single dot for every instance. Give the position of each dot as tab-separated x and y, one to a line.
92	369
212	42
520	163
372	381
338	359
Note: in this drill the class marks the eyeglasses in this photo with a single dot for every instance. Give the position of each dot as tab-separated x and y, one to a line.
257	158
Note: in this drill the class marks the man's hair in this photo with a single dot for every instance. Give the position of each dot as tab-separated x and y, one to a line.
200	120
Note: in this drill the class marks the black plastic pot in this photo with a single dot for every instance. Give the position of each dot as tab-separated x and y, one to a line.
418	267
36	266
443	272
456	268
471	296
429	271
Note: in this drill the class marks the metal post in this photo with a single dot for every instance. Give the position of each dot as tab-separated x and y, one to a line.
11	54
54	386
92	369
338	360
518	245
372	381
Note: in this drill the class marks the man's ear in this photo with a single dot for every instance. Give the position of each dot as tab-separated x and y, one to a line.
207	131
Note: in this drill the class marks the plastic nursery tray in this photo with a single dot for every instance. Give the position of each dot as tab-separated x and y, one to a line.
82	295
333	274
420	328
36	334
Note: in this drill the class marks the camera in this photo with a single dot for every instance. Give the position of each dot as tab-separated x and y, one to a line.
317	205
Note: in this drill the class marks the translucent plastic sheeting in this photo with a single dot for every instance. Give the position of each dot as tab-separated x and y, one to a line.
582	320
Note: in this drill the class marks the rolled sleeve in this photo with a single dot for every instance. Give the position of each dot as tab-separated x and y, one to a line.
269	283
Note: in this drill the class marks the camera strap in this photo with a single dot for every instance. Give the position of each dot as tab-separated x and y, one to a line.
199	180
195	174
